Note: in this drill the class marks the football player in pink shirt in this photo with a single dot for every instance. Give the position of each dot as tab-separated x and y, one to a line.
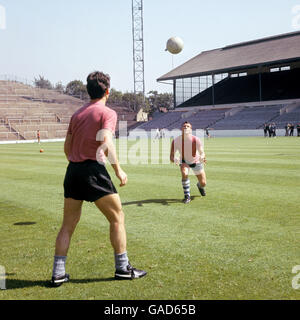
192	156
88	143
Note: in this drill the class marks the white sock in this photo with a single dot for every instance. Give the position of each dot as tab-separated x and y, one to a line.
121	261
59	266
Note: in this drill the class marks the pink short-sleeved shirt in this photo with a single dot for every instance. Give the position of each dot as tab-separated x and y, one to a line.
188	147
84	127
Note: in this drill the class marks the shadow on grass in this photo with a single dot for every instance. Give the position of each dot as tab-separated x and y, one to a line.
29	223
20	284
164	202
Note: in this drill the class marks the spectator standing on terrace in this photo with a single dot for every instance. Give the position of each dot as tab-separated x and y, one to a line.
88	143
192	156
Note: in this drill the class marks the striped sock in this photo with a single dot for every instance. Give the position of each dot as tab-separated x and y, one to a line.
59	266
186	187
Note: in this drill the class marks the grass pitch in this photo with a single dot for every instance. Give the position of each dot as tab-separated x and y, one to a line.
241	241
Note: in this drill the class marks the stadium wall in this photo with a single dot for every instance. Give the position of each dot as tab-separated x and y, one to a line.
135	134
31	141
214	133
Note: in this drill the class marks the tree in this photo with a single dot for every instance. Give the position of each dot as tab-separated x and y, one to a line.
160	100
165	100
134	101
115	96
152	98
77	89
59	87
42	83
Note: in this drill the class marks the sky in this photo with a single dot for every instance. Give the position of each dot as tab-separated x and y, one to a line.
65	40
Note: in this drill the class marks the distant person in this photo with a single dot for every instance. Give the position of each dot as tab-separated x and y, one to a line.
292	127
207	132
298	129
88	142
287	127
274	129
265	130
157	135
270	130
192	156
38	136
162	133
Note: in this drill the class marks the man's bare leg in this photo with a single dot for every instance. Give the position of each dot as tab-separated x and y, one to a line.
201	182
202	179
72	213
111	207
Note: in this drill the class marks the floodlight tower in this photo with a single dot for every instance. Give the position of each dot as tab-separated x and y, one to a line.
138	46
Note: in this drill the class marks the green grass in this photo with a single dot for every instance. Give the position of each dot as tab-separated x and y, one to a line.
239	242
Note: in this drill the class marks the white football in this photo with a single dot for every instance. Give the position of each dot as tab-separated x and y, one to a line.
174	45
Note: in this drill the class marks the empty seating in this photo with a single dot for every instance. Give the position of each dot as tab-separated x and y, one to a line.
201	119
292	116
249	118
163	121
26	109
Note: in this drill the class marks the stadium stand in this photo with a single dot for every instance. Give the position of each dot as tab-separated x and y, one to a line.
166	120
229	90
290	114
199	119
275	86
25	109
202	118
230	118
257	81
249	118
281	85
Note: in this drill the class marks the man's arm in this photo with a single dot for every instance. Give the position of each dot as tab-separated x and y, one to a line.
67	145
172	152
201	152
107	145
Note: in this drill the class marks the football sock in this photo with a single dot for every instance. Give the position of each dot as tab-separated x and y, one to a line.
121	261
186	187
59	266
199	185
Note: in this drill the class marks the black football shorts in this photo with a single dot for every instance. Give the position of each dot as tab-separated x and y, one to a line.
87	181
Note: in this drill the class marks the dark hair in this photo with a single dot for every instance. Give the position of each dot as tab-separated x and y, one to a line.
97	84
186	122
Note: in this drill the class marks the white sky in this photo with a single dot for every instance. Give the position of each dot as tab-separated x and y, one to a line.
64	40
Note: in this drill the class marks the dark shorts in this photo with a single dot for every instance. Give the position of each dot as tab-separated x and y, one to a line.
87	181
